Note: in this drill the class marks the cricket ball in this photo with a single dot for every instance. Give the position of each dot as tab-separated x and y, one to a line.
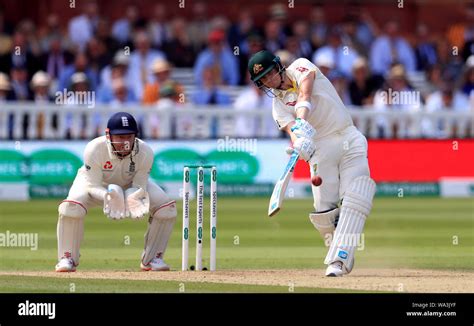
316	180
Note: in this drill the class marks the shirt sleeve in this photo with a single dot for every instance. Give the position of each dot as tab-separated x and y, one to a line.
300	69
140	180
281	114
93	172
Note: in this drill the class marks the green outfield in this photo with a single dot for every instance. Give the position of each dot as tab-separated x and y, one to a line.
401	233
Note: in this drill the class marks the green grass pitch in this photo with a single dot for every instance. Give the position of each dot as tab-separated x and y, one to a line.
421	233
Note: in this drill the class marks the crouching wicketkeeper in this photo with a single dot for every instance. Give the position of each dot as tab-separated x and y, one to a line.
115	175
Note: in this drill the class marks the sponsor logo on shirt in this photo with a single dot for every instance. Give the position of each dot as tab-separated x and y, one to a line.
302	69
108	166
293	103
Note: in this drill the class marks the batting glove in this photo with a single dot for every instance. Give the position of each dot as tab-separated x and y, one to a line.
302	129
305	147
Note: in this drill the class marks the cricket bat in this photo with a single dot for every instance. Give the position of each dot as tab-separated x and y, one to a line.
276	201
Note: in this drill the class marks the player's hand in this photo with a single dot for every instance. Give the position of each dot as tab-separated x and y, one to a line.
114	203
302	129
305	147
137	202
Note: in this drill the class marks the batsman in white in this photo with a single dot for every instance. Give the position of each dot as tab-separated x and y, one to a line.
115	174
307	106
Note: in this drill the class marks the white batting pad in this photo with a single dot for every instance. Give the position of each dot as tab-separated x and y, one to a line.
355	208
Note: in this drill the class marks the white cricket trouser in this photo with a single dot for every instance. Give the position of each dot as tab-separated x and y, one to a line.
340	158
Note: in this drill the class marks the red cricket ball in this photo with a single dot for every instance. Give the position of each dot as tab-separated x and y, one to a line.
316	180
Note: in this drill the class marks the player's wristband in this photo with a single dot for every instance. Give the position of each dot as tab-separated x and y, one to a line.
303	104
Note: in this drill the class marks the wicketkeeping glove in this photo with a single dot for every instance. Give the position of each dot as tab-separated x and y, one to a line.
114	202
137	202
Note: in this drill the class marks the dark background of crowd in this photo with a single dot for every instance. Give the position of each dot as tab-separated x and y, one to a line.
127	51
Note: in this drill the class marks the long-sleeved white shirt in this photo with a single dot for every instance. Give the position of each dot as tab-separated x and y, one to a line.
102	168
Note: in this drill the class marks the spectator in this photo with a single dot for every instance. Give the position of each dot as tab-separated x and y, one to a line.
210	93
425	49
200	26
364	27
5	89
451	63
104	35
51	31
117	70
301	34
28	29
122	29
82	28
5	96
397	95
325	63
158	29
21	92
254	99
342	55
318	26
179	49
286	58
241	30
97	54
168	100
390	49
55	59
19	83
220	58
40	85
278	12
162	71
121	94
19	55
253	44
462	32
339	82
79	84
363	85
140	63
446	99
468	82
81	64
274	36
433	80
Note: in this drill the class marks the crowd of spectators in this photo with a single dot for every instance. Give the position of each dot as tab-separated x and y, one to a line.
130	60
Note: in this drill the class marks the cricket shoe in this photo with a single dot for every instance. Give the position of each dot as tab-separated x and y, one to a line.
65	265
156	264
336	269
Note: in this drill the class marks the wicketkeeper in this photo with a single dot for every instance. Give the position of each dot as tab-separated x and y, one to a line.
307	106
115	175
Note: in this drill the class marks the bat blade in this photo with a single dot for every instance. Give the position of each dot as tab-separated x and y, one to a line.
276	200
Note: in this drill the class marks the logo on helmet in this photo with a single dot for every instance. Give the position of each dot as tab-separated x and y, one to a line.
257	68
124	122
